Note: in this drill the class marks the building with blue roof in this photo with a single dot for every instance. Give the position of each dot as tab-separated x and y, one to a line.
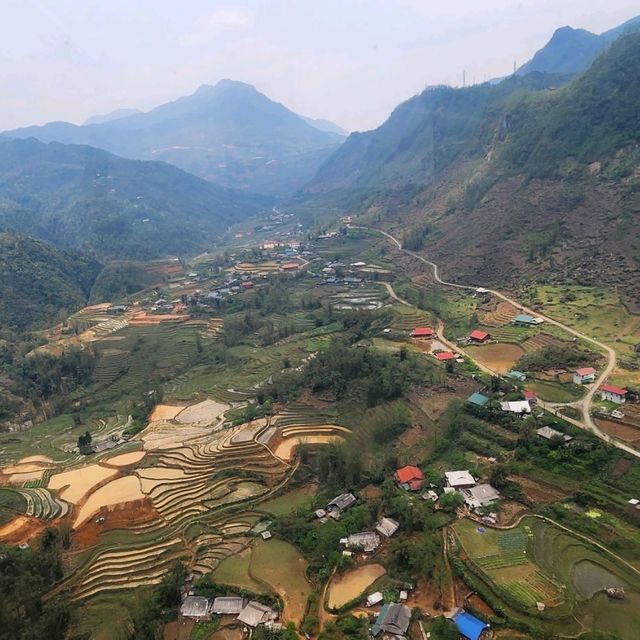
478	399
527	320
516	375
469	626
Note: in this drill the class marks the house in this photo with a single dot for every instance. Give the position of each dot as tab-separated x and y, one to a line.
516	375
480	496
116	309
320	513
516	406
409	478
585	375
469	626
228	606
247	284
266	535
478	399
290	266
548	433
196	608
430	495
530	397
367	541
459	479
340	504
256	613
387	527
443	356
374	599
478	335
613	394
527	320
422	332
393	619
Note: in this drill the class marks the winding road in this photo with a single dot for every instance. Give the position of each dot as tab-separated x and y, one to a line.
583	405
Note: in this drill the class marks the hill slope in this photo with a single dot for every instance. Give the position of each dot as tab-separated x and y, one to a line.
505	186
37	281
228	133
84	198
571	51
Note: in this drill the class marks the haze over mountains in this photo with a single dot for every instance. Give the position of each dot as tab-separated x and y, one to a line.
229	133
85	198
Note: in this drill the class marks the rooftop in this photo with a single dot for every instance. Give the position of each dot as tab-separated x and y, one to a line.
478	399
194	607
393	619
619	391
459	478
585	371
228	605
469	626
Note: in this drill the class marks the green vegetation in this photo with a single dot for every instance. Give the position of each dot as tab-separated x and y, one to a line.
564	356
40	284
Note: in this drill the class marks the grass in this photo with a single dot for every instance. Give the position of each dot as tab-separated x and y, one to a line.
555	392
11	504
280	565
234	571
288	502
203	630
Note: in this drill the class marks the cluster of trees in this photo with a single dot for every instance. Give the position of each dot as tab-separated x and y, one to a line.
416	238
26	575
565	356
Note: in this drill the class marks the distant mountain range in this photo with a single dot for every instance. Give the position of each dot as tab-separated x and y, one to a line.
505	183
571	51
82	198
229	134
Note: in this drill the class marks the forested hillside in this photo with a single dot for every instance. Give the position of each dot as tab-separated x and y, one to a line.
84	198
524	179
37	281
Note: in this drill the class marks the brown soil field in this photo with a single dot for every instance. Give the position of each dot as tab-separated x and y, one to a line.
540	492
624	432
287	447
142	318
426	596
480	605
21	529
19	478
501	315
164	412
509	512
75	484
125	459
121	490
44	459
121	516
227	633
497	357
203	413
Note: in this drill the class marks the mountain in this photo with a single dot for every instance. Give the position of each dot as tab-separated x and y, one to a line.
118	114
326	125
507	184
37	281
571	51
78	197
229	134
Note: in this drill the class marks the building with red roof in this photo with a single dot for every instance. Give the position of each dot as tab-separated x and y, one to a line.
444	355
422	332
584	375
530	396
613	394
479	336
409	478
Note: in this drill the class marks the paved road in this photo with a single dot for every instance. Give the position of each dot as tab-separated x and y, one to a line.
583	405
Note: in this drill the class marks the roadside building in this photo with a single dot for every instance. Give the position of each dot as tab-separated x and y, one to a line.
526	320
613	394
410	478
479	336
195	608
255	613
422	332
548	433
469	626
339	504
584	375
481	495
366	541
443	356
478	399
387	527
228	606
459	480
393	619
516	406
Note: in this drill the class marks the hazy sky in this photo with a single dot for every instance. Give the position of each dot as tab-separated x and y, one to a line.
351	61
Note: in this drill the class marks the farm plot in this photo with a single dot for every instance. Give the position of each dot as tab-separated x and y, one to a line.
498	357
125	489
353	584
503	557
73	485
503	314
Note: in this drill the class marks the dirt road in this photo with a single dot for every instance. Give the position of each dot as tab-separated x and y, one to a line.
583	405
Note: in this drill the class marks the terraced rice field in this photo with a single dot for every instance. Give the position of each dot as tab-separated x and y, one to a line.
498	357
502	315
352	584
540	341
73	485
125	489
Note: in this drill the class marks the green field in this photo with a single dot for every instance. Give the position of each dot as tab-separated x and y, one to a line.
288	502
555	392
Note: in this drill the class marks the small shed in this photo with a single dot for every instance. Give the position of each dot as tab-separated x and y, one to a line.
478	399
477	335
387	527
